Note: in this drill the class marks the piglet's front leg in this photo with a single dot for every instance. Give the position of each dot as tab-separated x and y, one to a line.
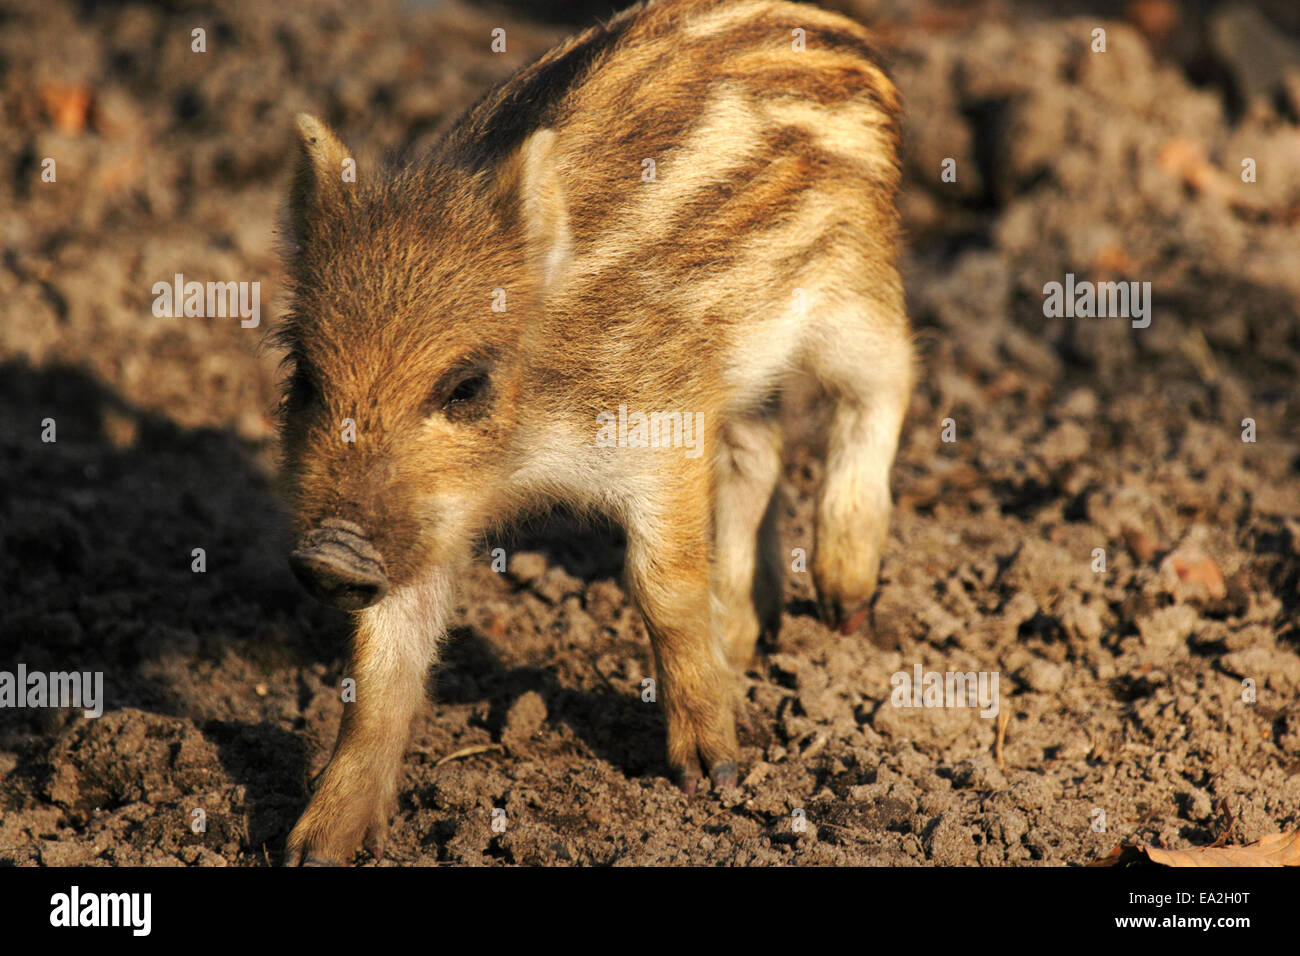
394	644
668	572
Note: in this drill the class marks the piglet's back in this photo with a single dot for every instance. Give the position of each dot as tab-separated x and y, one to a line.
715	93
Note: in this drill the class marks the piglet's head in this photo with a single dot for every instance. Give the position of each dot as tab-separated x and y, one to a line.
406	347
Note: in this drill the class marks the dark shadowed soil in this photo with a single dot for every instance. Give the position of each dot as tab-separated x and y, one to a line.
1124	687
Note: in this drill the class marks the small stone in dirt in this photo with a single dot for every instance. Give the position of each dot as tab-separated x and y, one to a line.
525	718
1252	635
61	853
527	566
1010	827
980	773
1042	676
863	792
1080	403
934	803
1066	442
1168	627
1081	620
1032	792
1198	804
1076	745
1019	609
604	600
730	796
555	585
947	842
821	704
190	854
1263	664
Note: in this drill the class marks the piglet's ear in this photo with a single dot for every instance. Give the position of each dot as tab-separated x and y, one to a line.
545	212
324	177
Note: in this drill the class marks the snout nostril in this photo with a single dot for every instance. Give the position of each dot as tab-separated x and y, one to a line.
335	575
363	595
354	597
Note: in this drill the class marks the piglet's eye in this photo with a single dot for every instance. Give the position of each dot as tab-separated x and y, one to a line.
467	390
462	395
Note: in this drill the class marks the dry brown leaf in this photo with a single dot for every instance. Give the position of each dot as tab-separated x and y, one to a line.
1114	260
1277	849
1227	822
1199	353
1204	572
1141	544
1185	160
67	106
1155	19
495	626
1010	382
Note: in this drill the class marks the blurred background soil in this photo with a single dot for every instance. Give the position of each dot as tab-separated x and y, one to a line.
1122	689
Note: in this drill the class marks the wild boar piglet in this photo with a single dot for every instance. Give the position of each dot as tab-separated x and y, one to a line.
593	293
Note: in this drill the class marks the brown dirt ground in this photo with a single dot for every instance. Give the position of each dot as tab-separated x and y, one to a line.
1123	689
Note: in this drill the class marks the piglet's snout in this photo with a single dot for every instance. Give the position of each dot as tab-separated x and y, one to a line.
339	566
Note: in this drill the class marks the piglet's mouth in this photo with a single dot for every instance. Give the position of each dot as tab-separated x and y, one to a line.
338	566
